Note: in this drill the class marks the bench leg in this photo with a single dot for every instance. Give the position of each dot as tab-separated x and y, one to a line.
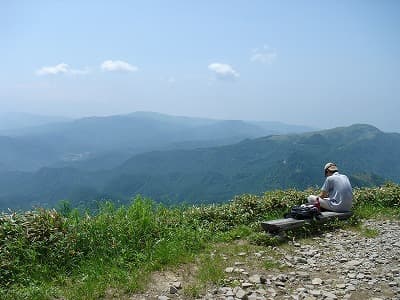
279	235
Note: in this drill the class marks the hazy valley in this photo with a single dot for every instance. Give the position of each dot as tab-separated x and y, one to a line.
180	159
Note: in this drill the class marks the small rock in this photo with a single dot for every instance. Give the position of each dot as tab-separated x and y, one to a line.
350	288
177	284
352	275
255	278
315	292
304	275
329	295
261	291
252	297
360	276
263	280
246	285
282	277
240	293
229	270
173	290
279	283
341	286
300	260
271	291
354	263
395	271
316	281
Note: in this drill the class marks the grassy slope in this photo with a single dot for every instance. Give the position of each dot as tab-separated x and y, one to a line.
49	254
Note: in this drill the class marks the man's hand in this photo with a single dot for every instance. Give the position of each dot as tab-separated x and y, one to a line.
323	194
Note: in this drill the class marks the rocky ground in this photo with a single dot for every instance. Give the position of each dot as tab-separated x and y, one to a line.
341	264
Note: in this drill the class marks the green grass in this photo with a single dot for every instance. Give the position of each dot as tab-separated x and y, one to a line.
370	233
270	264
193	290
49	254
210	271
371	210
115	248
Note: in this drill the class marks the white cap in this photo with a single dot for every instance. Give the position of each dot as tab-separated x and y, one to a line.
331	167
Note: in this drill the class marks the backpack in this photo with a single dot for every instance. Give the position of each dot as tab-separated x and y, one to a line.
303	212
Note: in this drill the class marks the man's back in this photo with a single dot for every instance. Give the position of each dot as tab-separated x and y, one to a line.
340	192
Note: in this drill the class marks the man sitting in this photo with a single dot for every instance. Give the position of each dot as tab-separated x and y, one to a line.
336	193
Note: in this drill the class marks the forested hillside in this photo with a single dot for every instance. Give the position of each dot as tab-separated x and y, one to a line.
216	174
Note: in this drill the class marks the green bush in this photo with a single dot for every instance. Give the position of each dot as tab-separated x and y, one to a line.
35	244
387	195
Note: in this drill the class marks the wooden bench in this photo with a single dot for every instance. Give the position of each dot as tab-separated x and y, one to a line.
280	225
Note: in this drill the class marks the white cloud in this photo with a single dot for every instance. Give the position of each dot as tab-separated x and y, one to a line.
53	70
264	55
62	68
223	71
118	65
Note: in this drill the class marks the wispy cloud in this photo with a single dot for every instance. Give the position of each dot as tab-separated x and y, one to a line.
118	65
53	70
108	65
265	55
223	71
62	68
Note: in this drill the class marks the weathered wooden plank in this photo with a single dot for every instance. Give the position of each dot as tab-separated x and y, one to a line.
275	226
281	224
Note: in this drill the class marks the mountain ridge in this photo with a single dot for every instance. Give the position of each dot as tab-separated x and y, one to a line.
216	174
90	139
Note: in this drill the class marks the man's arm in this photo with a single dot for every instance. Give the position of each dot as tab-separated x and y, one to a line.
325	188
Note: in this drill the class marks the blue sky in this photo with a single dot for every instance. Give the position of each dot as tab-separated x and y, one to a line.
316	63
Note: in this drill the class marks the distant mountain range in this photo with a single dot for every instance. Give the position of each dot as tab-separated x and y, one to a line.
214	174
18	122
97	143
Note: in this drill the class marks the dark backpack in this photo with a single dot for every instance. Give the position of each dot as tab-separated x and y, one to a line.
303	212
